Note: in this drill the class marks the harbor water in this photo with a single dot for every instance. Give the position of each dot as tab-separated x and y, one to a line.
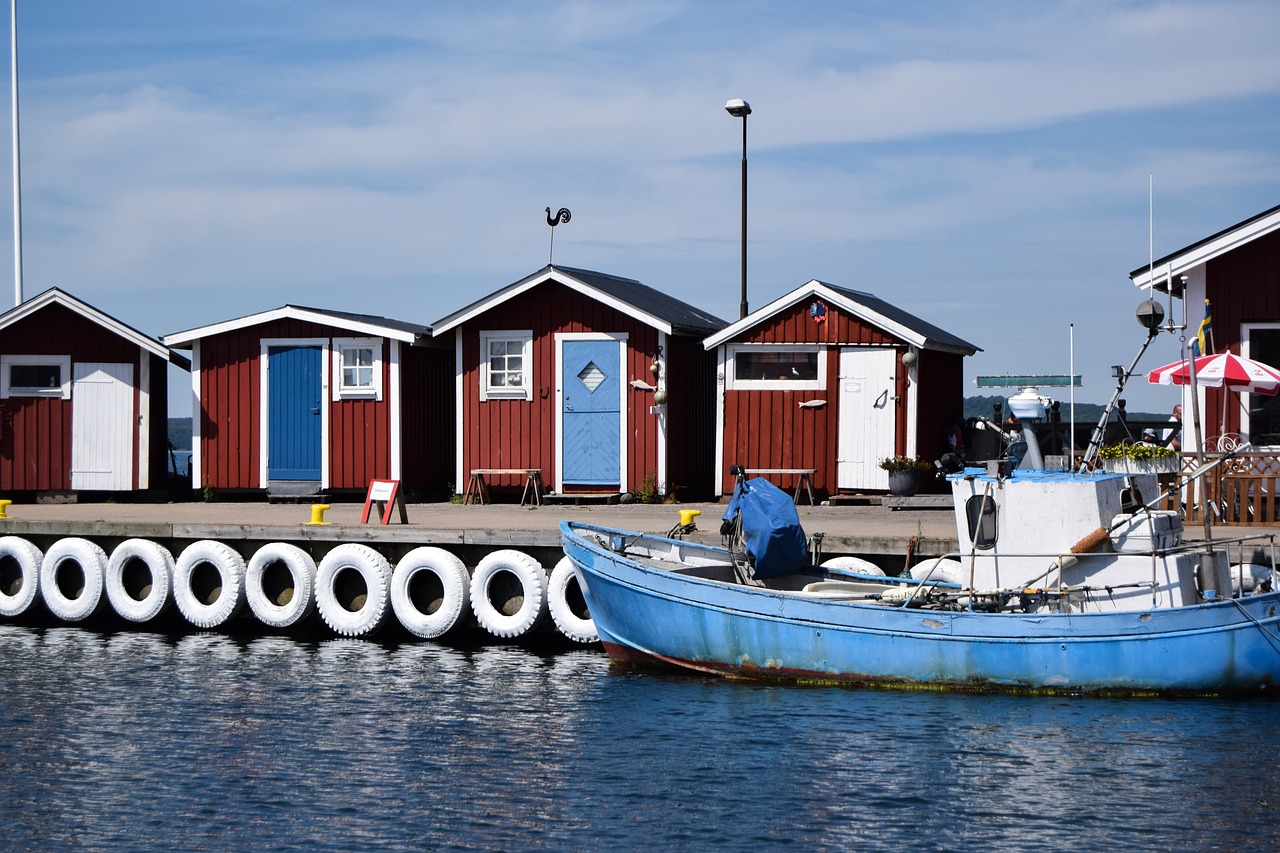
137	741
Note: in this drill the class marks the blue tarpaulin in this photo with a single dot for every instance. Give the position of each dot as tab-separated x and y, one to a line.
770	526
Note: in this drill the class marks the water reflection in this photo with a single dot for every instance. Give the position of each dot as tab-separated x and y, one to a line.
142	741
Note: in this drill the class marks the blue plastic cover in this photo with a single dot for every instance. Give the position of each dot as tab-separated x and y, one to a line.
770	526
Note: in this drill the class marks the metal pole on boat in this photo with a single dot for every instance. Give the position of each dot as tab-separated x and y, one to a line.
1207	568
17	180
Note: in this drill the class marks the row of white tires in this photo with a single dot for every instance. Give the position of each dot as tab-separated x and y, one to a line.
353	588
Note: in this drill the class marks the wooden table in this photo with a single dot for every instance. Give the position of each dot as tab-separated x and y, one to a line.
478	490
804	481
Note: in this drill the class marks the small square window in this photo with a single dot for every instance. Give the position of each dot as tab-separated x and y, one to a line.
357	368
505	367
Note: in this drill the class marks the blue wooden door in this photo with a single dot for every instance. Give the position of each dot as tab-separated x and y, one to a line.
293	413
591	446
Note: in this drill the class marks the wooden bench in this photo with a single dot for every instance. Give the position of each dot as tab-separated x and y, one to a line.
478	490
802	483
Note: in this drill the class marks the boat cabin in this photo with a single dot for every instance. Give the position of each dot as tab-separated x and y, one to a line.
827	381
83	400
296	401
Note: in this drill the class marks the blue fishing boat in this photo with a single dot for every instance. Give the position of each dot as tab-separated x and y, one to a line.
1066	581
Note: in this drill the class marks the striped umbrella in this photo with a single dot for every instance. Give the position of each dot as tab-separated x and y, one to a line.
1221	370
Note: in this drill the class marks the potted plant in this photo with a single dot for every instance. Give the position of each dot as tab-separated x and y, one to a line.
1139	458
904	474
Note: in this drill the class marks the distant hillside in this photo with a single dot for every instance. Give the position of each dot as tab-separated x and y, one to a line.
1085	412
180	433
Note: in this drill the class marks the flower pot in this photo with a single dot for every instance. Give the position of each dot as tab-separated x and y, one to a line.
1143	466
904	483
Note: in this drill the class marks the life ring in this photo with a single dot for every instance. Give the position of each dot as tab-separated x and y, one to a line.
208	583
353	585
941	571
430	590
19	575
566	605
508	593
71	578
856	565
280	584
139	579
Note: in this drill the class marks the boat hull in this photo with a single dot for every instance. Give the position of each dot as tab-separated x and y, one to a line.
650	615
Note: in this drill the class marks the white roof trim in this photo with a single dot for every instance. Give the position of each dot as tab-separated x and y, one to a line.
54	296
513	290
288	312
1180	263
817	288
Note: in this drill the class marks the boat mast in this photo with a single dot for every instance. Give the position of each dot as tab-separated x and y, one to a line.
17	180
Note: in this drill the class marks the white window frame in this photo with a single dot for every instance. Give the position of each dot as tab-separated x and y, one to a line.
1246	400
732	383
341	391
525	338
63	362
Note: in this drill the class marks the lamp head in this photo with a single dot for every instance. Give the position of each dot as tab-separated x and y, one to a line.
738	108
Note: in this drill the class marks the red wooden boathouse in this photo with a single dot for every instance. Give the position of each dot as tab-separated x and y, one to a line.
831	380
599	383
301	400
83	400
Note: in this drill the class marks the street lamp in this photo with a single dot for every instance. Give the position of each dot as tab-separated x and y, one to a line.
739	108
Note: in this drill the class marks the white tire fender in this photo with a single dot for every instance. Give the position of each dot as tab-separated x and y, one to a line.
139	579
19	575
509	593
564	602
353	589
941	571
280	584
208	583
430	591
857	565
71	578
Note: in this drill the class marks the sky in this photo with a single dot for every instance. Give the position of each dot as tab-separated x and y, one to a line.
997	169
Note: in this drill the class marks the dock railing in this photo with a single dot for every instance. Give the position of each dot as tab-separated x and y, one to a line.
1241	492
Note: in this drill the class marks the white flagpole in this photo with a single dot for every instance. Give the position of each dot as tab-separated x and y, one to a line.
17	172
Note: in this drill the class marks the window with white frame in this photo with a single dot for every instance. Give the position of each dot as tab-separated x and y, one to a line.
35	376
776	366
506	365
1262	343
357	368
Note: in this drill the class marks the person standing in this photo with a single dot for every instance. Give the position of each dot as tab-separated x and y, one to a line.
1173	437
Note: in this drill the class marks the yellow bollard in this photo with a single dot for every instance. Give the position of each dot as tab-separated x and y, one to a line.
688	515
317	514
3	506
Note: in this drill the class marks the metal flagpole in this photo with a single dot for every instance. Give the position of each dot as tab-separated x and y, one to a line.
17	174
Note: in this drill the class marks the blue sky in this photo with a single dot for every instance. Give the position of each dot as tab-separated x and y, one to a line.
987	169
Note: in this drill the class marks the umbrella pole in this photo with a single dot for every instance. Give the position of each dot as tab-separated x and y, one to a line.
1207	565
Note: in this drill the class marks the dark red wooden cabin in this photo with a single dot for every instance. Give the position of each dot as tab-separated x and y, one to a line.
1238	271
833	380
302	400
83	400
599	382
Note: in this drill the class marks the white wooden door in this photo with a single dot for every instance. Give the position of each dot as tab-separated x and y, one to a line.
867	408
102	426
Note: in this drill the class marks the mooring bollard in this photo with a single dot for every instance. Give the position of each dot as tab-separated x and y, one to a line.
4	505
317	514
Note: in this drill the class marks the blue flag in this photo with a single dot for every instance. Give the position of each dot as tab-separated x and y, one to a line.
1206	330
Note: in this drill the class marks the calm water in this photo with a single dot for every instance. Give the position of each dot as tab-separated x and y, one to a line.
136	741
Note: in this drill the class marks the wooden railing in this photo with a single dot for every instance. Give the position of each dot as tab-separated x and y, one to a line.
1241	492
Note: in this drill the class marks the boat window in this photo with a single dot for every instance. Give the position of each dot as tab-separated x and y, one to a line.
35	376
798	367
506	365
981	511
357	368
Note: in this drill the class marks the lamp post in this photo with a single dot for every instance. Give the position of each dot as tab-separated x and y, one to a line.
741	109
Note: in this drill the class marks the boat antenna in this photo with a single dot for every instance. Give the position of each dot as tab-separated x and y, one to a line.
1150	315
561	215
17	181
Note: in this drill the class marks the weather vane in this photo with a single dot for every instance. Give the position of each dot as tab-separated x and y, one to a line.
561	215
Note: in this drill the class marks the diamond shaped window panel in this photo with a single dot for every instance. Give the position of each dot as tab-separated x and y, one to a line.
591	376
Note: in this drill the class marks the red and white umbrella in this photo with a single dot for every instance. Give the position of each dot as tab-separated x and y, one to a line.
1221	370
